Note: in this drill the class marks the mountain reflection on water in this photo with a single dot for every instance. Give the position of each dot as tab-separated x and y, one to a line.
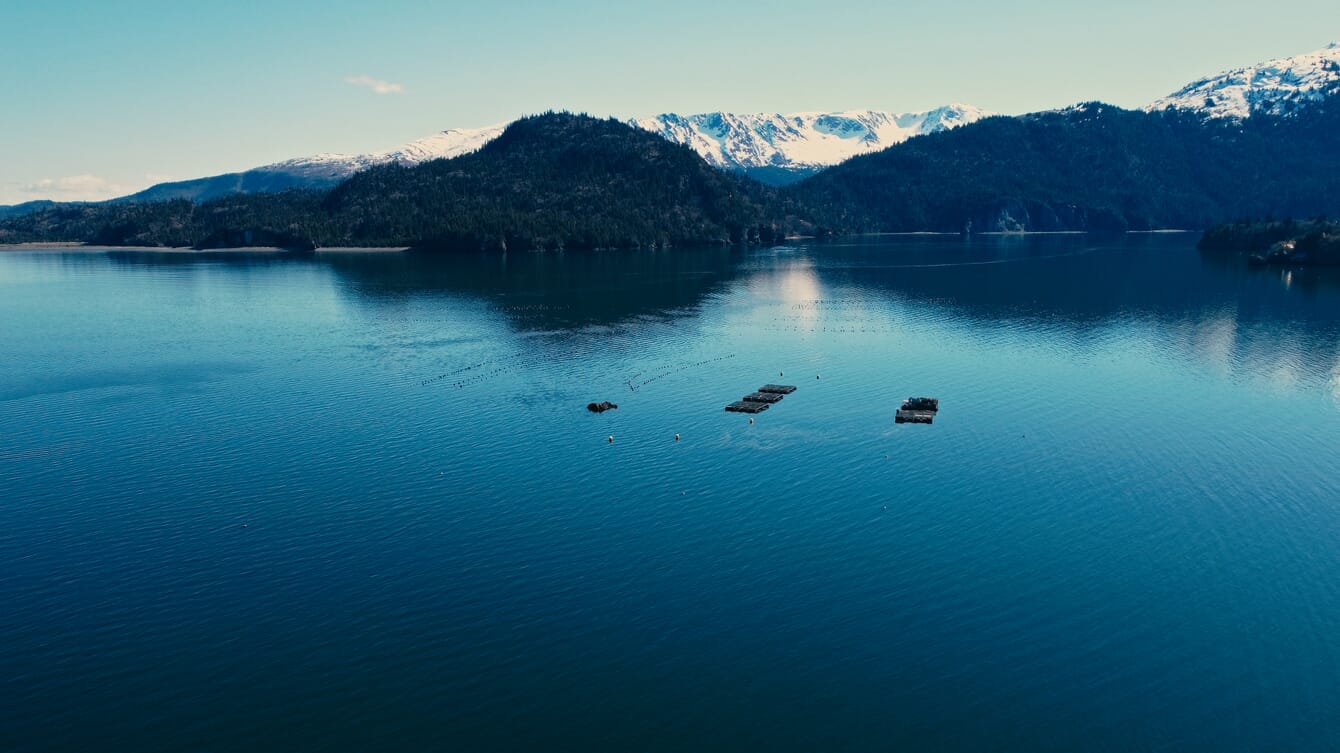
1209	304
546	290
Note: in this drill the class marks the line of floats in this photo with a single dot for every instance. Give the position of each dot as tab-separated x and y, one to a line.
914	410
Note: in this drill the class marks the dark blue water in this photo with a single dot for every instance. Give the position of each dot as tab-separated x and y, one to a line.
356	503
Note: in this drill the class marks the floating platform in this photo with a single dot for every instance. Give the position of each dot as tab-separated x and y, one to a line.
757	402
907	416
917	410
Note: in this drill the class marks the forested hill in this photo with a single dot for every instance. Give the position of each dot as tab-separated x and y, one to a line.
559	180
549	181
1091	167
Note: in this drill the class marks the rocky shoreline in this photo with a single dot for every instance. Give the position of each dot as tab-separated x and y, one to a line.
1314	242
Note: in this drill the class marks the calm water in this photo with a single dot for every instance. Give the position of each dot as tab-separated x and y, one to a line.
355	502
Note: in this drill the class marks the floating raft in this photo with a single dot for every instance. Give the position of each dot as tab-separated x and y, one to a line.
917	410
757	402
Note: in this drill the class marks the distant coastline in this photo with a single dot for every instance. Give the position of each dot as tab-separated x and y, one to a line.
93	248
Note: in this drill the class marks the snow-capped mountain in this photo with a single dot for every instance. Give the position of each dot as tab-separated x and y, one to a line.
322	170
803	141
1275	87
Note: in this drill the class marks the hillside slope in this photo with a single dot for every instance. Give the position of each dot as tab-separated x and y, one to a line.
1090	167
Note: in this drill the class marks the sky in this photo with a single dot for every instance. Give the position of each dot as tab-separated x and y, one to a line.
101	98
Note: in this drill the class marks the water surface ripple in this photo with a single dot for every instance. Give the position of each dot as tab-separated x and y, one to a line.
355	502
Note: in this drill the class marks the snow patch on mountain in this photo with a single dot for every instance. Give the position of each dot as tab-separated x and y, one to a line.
1275	87
800	140
453	142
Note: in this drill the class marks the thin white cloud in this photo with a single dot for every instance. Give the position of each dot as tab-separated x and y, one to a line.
376	84
84	187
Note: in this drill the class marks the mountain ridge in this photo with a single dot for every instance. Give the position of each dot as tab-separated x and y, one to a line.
776	148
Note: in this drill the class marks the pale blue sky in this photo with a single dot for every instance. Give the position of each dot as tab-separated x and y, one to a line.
102	97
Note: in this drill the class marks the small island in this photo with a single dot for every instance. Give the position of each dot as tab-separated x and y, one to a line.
1314	242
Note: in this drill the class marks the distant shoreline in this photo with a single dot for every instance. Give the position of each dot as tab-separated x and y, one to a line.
77	247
